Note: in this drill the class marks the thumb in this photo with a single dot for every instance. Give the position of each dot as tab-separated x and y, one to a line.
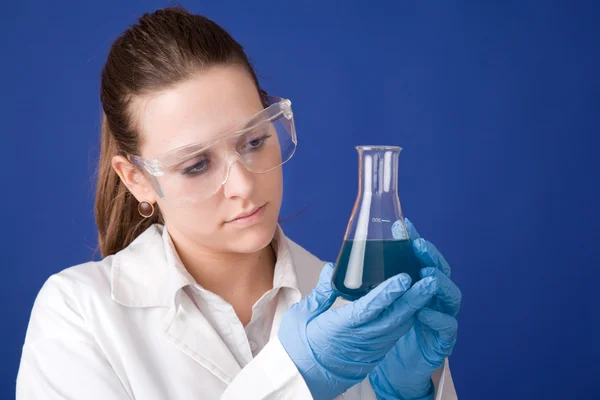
322	296
412	231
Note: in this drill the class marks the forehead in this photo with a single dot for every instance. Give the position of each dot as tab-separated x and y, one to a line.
196	110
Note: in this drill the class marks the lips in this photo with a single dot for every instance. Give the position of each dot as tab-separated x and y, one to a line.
247	214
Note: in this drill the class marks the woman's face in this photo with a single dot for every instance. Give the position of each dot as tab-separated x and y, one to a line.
198	110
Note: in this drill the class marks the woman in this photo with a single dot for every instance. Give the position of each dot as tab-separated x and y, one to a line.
200	295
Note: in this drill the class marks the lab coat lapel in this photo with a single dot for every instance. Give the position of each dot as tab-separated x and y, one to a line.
188	330
148	274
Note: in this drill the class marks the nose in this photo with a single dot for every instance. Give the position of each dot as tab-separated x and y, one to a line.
239	182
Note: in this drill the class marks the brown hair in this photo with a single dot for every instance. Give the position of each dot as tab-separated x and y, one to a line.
164	48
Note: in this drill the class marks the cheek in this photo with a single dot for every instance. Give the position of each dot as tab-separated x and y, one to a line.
271	184
195	219
272	187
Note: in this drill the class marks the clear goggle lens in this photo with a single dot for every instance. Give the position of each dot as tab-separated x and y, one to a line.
196	172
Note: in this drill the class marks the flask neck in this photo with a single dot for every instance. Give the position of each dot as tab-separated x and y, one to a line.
378	169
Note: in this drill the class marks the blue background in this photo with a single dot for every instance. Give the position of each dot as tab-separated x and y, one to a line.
495	103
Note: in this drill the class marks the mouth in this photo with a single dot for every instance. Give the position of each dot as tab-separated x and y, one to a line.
250	216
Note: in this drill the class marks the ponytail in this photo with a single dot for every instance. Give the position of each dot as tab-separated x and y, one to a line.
117	217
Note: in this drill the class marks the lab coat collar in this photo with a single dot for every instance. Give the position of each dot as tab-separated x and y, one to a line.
149	273
141	274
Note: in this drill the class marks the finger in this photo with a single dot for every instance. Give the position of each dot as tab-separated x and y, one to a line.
445	325
407	305
412	231
378	332
323	296
448	295
430	256
368	307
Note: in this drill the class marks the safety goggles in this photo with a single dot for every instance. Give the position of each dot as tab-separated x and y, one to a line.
195	172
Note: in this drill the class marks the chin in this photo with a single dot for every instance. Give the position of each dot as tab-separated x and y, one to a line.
254	238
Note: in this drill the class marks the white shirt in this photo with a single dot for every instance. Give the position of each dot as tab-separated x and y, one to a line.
127	327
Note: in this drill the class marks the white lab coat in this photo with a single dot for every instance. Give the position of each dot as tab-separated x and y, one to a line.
123	328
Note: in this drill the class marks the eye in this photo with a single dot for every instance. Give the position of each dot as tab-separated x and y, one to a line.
257	142
197	168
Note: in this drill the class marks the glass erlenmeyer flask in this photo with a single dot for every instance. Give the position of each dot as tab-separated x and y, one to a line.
376	244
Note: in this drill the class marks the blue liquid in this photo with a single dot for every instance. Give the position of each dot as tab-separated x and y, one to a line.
382	260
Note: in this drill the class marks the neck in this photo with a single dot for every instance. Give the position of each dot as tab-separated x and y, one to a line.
238	278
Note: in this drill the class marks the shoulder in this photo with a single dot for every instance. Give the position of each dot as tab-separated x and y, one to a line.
102	284
307	266
308	269
59	305
302	255
91	276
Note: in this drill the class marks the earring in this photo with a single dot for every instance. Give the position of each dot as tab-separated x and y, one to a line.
146	209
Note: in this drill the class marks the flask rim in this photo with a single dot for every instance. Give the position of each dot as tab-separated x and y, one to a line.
378	147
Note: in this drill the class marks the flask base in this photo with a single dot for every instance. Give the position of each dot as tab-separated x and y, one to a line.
363	264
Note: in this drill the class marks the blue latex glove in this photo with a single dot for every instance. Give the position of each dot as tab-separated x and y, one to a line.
406	371
334	349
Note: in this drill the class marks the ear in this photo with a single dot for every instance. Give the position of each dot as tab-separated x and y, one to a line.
134	179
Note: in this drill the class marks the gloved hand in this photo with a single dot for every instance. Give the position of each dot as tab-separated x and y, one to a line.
334	349
406	371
